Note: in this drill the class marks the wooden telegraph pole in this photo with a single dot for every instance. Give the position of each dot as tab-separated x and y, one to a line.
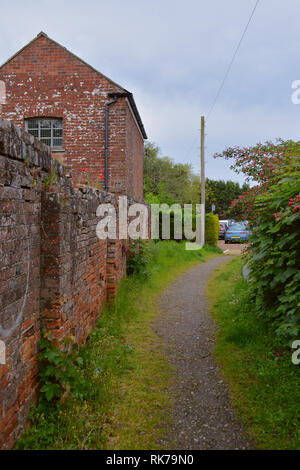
202	180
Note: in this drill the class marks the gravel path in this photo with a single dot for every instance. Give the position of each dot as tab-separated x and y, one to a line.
202	418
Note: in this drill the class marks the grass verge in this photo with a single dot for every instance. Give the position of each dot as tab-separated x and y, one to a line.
263	382
127	377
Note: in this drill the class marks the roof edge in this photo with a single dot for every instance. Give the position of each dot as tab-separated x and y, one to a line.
122	92
129	95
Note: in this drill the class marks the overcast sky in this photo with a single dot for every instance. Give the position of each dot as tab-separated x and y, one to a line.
173	55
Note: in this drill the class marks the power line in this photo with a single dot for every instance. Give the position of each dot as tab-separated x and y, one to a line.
191	148
232	60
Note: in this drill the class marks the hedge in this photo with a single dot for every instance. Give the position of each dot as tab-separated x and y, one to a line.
212	229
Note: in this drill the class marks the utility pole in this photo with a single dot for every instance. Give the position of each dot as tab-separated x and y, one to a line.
202	180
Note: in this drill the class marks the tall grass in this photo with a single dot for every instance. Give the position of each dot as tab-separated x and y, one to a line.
263	381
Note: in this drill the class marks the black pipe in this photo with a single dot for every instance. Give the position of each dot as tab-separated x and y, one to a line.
107	105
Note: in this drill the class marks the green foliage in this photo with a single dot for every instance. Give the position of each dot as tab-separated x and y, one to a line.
59	370
221	194
177	217
263	381
138	258
150	198
273	209
50	179
274	265
212	229
172	224
170	182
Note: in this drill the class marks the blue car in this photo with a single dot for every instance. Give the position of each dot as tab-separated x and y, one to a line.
237	233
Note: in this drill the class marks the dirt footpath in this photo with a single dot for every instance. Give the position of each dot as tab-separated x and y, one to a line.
202	418
232	248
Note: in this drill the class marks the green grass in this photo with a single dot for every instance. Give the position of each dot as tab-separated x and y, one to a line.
126	403
263	381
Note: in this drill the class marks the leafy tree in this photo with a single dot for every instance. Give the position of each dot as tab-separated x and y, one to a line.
173	182
221	194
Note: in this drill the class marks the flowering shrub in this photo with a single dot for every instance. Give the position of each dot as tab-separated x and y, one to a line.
273	209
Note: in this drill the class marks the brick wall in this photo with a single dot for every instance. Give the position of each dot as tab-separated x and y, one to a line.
46	80
134	157
54	271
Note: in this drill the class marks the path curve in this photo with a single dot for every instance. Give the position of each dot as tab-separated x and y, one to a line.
202	416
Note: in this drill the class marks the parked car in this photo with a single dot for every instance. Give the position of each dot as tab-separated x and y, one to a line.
223	228
245	223
224	222
237	233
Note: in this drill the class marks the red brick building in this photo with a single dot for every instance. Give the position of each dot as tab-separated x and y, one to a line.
89	121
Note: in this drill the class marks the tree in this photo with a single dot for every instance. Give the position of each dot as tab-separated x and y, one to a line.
221	194
273	208
175	182
171	182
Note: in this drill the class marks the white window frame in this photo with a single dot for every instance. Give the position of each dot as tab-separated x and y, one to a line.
52	138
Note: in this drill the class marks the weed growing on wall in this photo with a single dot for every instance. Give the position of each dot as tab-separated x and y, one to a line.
50	179
60	374
139	257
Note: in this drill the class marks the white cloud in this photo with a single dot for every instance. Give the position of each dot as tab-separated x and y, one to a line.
173	55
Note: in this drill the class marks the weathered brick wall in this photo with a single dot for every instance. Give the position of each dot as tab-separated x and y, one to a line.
55	273
46	80
20	205
73	260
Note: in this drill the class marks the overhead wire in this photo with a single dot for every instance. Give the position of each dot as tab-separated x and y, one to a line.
232	61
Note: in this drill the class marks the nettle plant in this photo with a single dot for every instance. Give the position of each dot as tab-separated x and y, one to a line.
138	258
60	369
273	210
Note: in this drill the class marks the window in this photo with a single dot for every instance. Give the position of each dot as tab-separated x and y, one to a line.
48	131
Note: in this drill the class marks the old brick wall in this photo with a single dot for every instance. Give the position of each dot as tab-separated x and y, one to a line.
55	273
134	157
20	208
73	260
46	80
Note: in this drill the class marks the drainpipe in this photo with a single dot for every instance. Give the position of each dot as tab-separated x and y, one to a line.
107	105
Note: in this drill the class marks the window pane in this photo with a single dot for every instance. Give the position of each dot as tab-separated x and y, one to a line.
57	142
34	132
57	124
57	132
45	133
45	124
32	124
